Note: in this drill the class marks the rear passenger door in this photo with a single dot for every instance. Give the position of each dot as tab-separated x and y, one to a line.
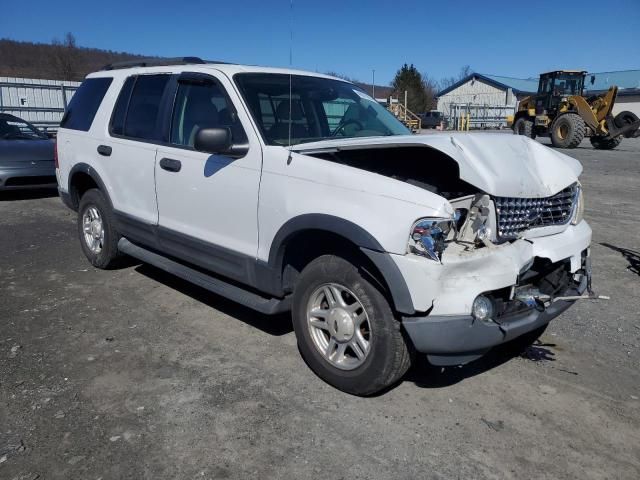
208	204
135	130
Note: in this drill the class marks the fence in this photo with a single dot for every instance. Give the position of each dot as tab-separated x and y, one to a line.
480	116
41	102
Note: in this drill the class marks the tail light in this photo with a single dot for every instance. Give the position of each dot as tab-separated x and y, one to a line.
55	153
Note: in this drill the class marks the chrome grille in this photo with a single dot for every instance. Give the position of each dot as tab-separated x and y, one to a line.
516	215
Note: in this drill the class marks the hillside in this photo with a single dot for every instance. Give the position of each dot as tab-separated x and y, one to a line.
58	61
65	61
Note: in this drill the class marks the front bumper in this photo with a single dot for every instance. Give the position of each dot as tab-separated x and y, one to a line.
458	339
445	292
28	176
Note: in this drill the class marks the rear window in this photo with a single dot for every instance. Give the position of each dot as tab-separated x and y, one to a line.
85	103
144	105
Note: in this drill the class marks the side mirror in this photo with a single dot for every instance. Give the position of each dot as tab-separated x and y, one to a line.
213	140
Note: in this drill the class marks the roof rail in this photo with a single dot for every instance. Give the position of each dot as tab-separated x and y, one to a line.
154	62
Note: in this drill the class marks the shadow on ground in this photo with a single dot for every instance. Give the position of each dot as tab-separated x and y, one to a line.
425	375
631	256
422	374
275	325
33	194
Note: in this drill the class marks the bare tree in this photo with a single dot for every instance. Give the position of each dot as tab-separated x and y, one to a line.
464	72
430	87
65	57
446	82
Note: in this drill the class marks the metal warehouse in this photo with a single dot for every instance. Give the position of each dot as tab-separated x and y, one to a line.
41	102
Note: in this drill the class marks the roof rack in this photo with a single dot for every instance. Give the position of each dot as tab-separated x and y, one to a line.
155	62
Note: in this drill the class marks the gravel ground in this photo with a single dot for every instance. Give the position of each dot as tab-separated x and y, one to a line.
134	374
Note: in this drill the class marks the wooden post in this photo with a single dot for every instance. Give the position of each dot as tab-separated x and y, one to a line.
405	105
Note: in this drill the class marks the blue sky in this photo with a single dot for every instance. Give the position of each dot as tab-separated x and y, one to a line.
514	38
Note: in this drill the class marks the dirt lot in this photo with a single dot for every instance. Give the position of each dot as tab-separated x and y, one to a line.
135	374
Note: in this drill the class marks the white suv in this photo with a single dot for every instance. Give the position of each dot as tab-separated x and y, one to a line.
287	190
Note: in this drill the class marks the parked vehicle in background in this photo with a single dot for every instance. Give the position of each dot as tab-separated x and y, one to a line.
292	191
561	111
26	155
431	119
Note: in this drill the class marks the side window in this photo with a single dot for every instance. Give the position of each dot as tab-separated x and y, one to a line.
200	106
142	115
120	110
85	103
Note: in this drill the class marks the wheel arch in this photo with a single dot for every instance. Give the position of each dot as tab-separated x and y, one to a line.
83	177
326	234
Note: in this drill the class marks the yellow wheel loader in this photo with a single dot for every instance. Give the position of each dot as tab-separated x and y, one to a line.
560	111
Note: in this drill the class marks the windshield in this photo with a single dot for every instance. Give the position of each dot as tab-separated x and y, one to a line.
568	84
15	128
320	109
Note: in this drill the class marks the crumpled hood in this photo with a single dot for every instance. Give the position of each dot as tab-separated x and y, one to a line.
499	164
26	150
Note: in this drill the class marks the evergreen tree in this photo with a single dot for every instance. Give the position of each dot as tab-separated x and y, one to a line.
409	79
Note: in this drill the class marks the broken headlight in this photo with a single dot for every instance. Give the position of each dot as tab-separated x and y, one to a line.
428	237
578	212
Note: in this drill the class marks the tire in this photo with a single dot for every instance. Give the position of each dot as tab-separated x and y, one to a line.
567	131
386	356
601	143
520	344
524	127
98	237
625	118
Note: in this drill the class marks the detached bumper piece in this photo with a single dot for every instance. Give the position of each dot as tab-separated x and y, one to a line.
459	339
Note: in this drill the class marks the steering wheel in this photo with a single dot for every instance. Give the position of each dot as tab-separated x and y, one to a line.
344	123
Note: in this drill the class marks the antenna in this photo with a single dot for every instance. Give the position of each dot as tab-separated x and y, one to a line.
290	76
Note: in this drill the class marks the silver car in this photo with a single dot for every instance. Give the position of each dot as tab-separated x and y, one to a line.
26	155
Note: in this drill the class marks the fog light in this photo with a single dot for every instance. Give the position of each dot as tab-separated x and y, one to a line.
482	308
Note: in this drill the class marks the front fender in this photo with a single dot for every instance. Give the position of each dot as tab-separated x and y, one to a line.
356	235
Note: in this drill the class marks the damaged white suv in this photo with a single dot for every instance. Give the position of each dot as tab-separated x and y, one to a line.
286	190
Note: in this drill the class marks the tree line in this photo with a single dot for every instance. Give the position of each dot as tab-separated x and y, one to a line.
420	87
62	59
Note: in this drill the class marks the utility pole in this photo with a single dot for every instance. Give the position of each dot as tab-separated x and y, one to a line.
373	84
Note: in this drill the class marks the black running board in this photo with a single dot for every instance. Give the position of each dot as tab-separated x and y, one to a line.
212	284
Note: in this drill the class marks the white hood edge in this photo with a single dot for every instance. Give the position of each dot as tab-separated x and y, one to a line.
499	164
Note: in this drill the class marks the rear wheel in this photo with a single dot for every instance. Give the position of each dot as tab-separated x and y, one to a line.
98	237
524	127
602	143
567	131
345	328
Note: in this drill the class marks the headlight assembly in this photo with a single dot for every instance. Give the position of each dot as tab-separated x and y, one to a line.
578	212
428	237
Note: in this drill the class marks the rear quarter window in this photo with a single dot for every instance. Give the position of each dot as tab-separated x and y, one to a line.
85	103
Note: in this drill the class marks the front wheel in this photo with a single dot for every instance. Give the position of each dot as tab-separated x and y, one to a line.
567	131
345	328
519	344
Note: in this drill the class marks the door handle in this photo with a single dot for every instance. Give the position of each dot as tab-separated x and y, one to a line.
170	165
104	150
